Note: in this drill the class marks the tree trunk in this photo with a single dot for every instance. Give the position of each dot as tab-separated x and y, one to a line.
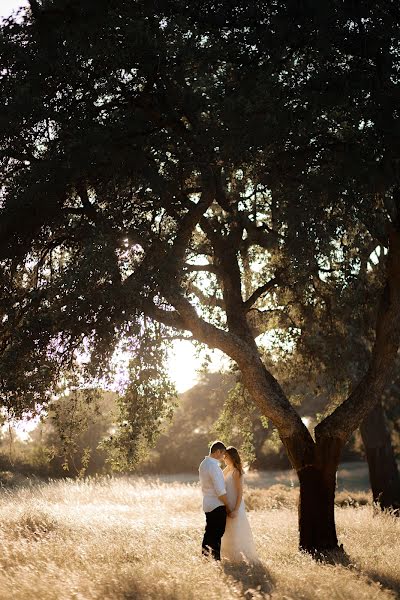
317	494
383	471
316	509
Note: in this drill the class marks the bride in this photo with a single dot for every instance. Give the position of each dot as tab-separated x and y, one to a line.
237	542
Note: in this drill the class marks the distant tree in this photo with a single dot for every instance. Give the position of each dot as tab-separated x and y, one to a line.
74	429
66	441
183	445
146	150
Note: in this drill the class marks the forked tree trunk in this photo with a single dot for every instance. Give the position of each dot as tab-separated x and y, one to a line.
383	471
315	461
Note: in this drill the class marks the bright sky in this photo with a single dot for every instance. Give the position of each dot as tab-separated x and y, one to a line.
9	6
183	365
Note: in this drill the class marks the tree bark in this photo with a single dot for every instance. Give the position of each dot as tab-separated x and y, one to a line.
317	494
383	471
317	509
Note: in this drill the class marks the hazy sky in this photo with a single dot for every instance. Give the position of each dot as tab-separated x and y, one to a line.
8	6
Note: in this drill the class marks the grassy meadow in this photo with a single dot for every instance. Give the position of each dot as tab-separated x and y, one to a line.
133	538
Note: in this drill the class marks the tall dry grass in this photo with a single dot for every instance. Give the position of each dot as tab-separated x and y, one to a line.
140	538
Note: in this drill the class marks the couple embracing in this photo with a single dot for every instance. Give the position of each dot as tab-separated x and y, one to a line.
228	533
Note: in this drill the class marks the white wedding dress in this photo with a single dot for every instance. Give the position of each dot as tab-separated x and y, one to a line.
237	543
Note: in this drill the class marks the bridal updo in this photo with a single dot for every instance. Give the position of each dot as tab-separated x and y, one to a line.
235	457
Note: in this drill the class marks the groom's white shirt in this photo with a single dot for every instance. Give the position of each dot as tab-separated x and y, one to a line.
212	483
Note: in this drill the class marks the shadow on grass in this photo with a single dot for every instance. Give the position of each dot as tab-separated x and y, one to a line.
334	557
137	591
386	581
253	578
340	557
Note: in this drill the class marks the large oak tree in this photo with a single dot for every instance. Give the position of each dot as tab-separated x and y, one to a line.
146	149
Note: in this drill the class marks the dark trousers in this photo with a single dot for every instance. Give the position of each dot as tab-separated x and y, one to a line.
215	528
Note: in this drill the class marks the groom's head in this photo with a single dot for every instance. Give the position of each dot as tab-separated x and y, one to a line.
217	450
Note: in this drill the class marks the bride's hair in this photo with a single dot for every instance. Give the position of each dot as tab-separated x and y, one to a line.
235	456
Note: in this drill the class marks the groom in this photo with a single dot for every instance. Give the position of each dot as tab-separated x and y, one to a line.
215	503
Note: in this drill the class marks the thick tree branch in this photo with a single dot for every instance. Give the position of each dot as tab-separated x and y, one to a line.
226	261
346	417
88	207
170	318
191	219
202	330
263	289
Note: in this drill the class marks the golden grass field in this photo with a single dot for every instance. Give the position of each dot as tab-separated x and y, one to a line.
134	538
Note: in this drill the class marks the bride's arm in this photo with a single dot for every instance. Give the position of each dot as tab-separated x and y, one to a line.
238	480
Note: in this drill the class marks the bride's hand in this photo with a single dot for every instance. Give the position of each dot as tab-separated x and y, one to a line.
233	514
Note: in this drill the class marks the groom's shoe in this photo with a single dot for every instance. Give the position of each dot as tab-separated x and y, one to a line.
210	553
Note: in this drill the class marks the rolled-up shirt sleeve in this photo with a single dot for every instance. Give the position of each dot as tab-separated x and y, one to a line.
217	478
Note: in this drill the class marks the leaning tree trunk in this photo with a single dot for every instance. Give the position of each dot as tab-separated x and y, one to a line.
383	471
